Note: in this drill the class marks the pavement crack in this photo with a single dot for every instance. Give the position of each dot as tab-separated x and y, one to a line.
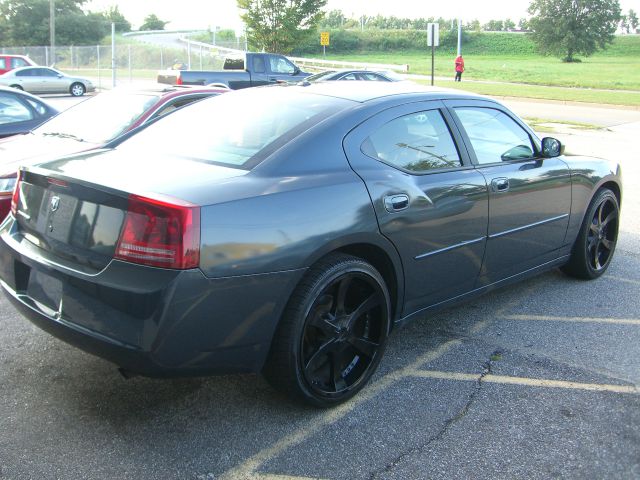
450	422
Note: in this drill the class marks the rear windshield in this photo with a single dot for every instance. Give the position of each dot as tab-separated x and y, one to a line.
101	118
236	129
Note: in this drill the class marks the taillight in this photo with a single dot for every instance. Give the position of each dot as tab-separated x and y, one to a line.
15	198
178	79
160	233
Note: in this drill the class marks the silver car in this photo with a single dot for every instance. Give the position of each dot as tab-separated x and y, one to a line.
46	80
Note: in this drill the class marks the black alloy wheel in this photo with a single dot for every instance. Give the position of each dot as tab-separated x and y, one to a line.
602	235
333	334
596	242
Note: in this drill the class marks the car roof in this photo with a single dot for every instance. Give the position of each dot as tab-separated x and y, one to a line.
166	91
364	91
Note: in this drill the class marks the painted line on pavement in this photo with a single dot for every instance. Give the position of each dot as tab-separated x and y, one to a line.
248	469
529	382
546	318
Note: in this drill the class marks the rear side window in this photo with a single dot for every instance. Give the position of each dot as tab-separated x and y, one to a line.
12	110
3	64
26	73
494	135
418	143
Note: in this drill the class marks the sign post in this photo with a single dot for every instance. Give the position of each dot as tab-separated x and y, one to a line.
324	41
433	40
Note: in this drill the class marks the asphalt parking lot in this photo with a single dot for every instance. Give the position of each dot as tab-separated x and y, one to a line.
537	380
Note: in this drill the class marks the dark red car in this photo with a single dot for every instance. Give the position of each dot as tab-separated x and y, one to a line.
89	125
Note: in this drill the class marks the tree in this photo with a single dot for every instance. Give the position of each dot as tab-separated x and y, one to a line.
494	26
278	26
624	24
26	22
573	27
113	15
333	19
633	20
152	22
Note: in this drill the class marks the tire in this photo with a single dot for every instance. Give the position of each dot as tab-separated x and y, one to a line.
17	87
593	250
77	89
332	334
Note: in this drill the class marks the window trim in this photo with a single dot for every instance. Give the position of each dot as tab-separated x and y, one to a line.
488	104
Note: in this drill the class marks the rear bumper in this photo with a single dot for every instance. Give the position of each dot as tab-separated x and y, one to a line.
150	321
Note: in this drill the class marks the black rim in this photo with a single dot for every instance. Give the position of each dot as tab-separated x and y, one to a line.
343	334
602	234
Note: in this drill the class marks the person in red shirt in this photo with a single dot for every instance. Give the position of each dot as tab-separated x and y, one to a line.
459	68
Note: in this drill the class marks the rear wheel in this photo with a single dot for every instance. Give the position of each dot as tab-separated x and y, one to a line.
77	89
333	332
17	87
596	242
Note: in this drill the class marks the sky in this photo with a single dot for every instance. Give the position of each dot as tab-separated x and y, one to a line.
186	14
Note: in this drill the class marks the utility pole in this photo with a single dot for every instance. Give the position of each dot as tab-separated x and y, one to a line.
113	55
52	30
459	37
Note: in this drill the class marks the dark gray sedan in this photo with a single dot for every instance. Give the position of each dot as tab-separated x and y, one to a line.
292	240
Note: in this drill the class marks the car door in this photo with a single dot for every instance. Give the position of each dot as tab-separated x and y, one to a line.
529	196
53	81
429	200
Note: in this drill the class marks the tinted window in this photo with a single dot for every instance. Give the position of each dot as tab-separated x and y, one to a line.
236	129
418	142
258	65
12	110
495	136
281	65
349	76
26	73
45	72
372	76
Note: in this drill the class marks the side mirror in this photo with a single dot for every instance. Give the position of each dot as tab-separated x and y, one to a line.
551	147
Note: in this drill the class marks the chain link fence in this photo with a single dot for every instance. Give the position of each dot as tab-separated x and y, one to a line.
132	62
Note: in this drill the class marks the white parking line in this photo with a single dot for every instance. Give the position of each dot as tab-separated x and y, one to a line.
623	280
546	318
248	469
530	382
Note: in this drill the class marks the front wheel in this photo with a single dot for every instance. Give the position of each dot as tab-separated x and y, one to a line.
596	242
77	89
333	332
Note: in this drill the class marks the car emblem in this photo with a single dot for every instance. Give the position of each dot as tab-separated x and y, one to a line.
55	203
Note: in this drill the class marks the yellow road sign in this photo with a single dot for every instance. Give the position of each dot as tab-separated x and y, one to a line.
324	39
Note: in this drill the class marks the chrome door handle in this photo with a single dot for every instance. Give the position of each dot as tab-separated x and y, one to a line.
396	203
500	185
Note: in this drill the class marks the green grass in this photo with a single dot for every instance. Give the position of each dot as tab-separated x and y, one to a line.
599	71
543	93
